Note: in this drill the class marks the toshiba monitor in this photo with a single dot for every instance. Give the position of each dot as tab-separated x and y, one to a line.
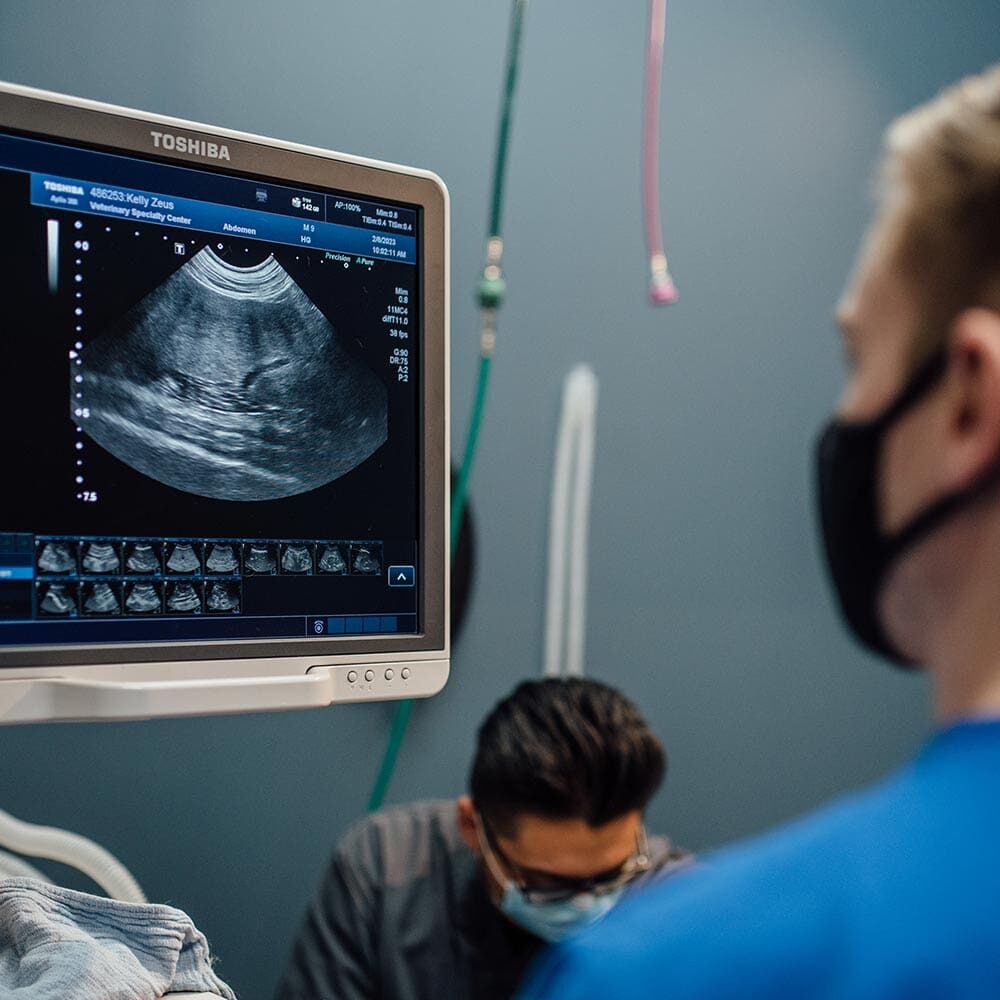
223	419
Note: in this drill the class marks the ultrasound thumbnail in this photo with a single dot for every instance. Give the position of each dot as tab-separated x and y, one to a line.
260	559
57	557
101	557
101	598
332	560
223	598
296	558
145	558
183	557
366	560
144	597
184	597
222	558
58	598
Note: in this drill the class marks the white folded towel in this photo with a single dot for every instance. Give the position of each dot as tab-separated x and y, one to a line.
57	944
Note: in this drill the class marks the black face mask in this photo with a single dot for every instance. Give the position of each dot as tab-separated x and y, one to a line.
858	553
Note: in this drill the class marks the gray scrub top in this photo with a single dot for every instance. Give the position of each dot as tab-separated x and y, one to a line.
403	914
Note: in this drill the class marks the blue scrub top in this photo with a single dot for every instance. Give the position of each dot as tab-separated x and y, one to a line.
892	893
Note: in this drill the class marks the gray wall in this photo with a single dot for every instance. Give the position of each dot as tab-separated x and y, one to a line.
708	602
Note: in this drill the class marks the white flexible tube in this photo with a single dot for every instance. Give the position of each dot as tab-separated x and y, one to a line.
586	403
555	591
568	522
11	866
71	849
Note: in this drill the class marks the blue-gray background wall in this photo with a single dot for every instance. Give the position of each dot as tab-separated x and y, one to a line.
708	603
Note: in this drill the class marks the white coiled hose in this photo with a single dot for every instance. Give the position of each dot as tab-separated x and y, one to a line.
569	516
11	866
70	849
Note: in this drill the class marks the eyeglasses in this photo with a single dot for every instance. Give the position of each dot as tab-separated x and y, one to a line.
544	887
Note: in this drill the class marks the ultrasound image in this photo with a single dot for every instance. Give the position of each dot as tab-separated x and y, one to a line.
184	598
332	560
143	557
229	383
57	599
296	559
260	559
366	560
58	557
101	599
102	557
183	557
223	598
222	559
143	598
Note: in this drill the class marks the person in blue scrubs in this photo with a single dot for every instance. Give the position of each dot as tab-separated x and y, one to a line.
893	892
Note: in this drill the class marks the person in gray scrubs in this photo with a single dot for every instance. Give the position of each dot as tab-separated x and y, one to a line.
452	900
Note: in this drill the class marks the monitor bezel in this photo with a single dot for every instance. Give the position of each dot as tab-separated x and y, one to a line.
44	114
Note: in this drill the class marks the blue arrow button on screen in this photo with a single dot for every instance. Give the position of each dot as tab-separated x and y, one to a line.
402	576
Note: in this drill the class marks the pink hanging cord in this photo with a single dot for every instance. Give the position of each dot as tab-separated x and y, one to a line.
662	290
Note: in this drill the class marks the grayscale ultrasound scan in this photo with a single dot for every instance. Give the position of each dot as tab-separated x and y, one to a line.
260	559
222	559
296	559
143	558
229	383
223	598
102	557
366	560
332	560
57	598
184	597
57	557
101	599
183	557
143	598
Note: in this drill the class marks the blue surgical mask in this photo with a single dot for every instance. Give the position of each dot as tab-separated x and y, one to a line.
552	920
556	921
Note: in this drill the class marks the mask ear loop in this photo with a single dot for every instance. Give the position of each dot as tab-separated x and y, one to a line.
924	523
492	862
923	381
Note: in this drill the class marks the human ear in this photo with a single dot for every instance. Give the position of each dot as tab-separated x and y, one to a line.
973	445
465	818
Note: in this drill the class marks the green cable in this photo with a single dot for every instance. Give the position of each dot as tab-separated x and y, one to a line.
462	480
503	135
490	295
396	734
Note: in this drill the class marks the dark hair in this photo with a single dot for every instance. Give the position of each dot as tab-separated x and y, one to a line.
564	749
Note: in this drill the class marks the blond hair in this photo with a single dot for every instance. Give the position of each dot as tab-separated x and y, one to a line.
941	187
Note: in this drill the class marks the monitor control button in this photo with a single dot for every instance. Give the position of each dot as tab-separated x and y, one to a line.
369	675
389	674
405	673
352	676
402	576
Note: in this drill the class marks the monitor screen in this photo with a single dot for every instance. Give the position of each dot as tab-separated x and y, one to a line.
222	396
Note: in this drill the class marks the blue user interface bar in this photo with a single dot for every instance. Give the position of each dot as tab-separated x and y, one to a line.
136	205
210	200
